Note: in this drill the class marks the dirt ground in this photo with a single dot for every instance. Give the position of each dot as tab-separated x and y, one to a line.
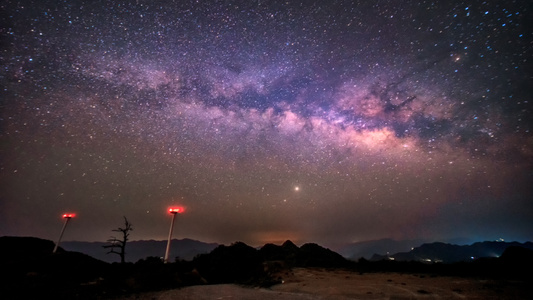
338	284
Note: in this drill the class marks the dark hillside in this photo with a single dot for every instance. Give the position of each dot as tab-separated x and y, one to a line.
313	255
30	270
15	248
235	263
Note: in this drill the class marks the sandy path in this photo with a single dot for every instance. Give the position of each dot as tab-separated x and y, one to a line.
338	284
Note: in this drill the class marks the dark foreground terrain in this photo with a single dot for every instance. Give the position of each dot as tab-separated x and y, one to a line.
29	271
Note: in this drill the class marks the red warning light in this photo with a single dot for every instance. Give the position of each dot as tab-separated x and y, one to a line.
175	210
68	216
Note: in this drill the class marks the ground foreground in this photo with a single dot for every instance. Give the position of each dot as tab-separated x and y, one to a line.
312	283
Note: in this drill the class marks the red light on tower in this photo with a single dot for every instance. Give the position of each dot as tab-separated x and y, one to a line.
67	218
175	210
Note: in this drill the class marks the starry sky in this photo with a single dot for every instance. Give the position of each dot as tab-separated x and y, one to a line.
315	121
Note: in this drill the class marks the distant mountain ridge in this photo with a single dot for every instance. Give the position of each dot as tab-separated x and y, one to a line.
185	249
450	253
367	249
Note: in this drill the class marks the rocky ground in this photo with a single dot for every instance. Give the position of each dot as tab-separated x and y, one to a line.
313	283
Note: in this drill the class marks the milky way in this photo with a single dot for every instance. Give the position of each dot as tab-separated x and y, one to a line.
322	121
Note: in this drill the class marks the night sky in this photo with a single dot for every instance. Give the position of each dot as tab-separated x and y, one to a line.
315	121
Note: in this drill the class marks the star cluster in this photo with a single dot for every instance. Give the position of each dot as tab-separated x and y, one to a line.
321	121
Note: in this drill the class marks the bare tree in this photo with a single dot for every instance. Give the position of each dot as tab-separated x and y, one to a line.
120	244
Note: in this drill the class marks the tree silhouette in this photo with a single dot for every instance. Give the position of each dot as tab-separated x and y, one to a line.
120	244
